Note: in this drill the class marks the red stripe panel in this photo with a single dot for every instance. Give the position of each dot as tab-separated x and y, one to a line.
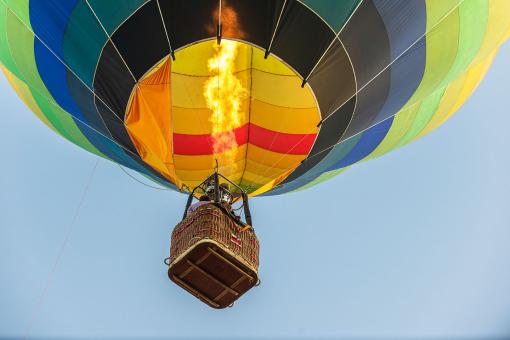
287	143
294	144
194	145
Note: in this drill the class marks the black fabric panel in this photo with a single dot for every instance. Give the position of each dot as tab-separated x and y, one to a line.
370	102
86	103
94	114
406	72
301	38
84	99
332	81
121	136
250	20
330	133
141	40
116	127
113	82
366	40
188	21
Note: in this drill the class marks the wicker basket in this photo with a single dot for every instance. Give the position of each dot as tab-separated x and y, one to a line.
212	257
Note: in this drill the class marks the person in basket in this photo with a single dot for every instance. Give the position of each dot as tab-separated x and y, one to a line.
204	199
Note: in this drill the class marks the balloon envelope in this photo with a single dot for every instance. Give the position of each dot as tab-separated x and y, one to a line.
296	92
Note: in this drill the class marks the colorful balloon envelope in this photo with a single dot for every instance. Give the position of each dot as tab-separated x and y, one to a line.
281	94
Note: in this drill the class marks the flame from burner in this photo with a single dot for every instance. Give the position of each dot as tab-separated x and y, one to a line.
224	94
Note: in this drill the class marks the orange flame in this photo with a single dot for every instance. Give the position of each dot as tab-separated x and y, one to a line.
224	94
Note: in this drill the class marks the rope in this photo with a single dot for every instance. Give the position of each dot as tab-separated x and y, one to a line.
371	80
40	301
136	179
53	102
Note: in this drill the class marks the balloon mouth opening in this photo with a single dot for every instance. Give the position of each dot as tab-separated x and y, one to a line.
223	103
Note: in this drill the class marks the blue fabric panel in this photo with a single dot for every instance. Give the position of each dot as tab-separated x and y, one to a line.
406	71
117	154
405	23
404	76
49	22
338	152
369	140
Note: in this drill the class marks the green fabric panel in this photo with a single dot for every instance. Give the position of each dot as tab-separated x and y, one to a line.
21	42
334	12
442	46
339	151
63	122
113	12
427	109
5	54
473	23
401	124
322	178
20	8
442	42
471	26
85	38
437	10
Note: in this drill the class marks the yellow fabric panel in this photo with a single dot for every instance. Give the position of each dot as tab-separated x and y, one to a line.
285	91
196	121
196	168
281	90
193	60
23	91
271	184
472	79
401	125
203	162
187	176
284	119
263	166
270	65
450	97
274	100
188	91
149	123
442	43
271	158
191	121
258	180
498	25
265	171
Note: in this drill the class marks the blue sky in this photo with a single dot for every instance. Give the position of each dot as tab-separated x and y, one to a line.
414	244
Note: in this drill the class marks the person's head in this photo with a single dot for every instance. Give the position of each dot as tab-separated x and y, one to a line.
204	198
209	192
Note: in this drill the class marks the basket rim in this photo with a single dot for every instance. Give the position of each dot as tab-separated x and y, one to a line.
222	247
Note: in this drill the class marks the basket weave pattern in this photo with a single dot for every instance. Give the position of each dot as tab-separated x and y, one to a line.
211	222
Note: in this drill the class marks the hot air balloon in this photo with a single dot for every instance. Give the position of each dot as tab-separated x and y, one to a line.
276	95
